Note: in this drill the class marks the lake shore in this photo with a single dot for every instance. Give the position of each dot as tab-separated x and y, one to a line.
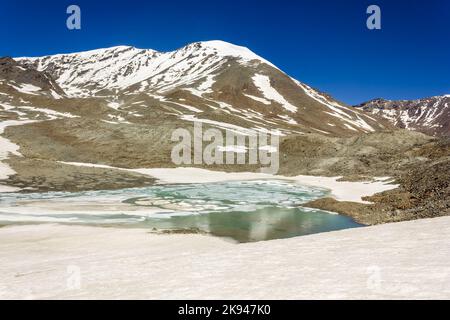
340	190
393	261
346	197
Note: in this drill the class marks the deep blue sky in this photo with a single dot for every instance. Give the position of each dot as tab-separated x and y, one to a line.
323	43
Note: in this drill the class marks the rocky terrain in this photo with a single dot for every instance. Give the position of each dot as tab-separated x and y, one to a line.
119	107
430	115
424	191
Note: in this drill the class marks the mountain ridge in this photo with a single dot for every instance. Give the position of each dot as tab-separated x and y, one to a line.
211	82
429	115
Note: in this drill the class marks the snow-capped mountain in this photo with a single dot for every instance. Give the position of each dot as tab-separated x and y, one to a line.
27	80
119	107
430	115
214	82
118	68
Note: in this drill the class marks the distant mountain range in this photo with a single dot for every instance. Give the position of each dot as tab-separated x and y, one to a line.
429	115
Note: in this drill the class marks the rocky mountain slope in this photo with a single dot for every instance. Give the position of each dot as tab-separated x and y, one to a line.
430	115
212	82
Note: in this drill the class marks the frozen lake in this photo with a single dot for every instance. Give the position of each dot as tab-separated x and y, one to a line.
245	211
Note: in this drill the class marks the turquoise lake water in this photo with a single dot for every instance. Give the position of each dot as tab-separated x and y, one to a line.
245	211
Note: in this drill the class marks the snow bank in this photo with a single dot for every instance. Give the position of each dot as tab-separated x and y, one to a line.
394	261
262	100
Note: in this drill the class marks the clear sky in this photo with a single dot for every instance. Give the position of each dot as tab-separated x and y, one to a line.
325	44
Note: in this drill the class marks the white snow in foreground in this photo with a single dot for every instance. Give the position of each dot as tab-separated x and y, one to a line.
340	190
407	260
262	82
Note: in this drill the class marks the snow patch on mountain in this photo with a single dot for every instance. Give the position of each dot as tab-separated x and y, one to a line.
51	114
190	108
26	88
262	82
223	125
114	105
288	119
207	84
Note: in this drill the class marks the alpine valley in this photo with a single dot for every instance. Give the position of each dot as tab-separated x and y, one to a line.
117	108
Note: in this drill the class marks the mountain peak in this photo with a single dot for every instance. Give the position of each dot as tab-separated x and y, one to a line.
228	49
